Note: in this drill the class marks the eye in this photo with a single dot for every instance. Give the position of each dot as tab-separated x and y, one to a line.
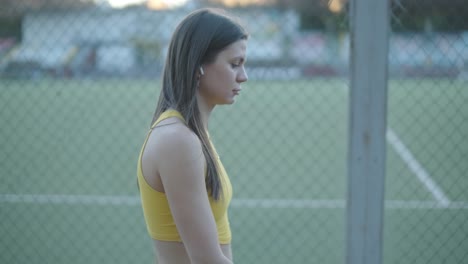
237	62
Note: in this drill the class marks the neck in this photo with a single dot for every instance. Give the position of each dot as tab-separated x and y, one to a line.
205	111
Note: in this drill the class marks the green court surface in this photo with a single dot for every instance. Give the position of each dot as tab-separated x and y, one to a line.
68	161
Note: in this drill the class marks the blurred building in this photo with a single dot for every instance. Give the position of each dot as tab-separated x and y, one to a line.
102	41
133	40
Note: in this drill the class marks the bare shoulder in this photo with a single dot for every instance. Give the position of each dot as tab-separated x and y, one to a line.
170	149
173	141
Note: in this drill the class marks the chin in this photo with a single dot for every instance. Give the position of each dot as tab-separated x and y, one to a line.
227	102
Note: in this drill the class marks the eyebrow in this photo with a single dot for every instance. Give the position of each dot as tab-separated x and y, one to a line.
240	58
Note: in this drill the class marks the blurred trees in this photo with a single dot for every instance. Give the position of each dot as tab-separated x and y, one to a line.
430	15
12	8
331	15
12	11
407	15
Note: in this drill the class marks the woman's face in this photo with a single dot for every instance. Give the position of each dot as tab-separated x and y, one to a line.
222	79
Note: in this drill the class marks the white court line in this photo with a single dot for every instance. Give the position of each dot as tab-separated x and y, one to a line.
414	165
129	200
288	203
416	168
333	204
70	199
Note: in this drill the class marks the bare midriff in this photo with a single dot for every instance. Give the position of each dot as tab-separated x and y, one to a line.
175	253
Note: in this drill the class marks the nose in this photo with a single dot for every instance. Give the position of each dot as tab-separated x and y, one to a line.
242	76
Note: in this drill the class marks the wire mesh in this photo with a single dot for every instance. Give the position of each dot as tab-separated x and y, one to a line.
78	90
79	84
426	216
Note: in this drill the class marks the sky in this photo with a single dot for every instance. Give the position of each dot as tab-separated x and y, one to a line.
163	4
154	3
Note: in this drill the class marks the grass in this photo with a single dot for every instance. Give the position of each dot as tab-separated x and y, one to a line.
280	140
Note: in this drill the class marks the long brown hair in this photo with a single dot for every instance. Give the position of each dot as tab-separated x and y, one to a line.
197	40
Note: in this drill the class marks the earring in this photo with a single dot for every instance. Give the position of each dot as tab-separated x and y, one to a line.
201	71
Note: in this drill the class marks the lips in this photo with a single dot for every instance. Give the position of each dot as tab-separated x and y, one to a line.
236	91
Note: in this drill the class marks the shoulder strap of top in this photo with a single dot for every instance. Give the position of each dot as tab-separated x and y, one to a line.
167	114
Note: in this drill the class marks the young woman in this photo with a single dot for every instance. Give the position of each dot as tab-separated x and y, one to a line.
185	190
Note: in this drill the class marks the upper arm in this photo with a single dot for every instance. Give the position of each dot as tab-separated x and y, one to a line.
182	170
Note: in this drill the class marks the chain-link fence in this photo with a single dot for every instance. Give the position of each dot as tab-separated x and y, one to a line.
78	87
426	218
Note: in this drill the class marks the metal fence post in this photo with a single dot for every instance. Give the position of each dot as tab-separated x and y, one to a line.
369	22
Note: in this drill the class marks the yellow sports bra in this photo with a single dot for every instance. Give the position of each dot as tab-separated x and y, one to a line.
158	217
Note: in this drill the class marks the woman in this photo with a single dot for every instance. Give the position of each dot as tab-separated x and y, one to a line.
184	188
